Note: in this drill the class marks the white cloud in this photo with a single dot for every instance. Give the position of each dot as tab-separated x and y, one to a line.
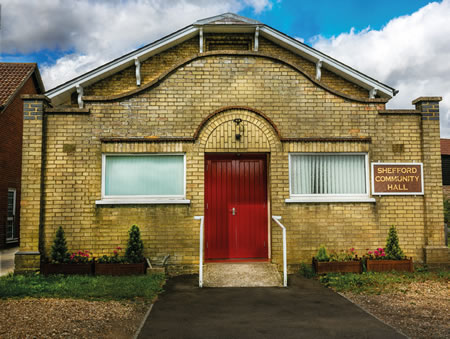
94	32
411	53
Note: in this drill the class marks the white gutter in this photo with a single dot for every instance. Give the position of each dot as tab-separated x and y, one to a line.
276	219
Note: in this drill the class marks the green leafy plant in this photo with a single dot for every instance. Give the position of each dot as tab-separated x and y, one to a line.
393	250
307	271
135	247
344	255
447	210
322	254
60	254
115	258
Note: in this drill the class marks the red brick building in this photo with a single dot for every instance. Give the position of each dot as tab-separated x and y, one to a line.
16	79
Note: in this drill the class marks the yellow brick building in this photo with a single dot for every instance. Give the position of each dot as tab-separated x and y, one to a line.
234	121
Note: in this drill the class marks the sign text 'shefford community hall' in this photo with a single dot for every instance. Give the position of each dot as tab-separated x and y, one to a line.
397	178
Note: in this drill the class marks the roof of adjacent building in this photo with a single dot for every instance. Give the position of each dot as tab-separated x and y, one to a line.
445	146
13	76
224	23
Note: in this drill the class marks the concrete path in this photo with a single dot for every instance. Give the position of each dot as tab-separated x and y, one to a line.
303	310
241	274
7	260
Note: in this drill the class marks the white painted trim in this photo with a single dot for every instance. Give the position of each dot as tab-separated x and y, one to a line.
328	199
80	92
294	198
200	42
190	31
141	199
125	60
256	45
137	201
397	163
137	63
319	69
316	55
277	220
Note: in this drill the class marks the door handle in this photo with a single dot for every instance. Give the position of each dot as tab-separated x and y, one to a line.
233	211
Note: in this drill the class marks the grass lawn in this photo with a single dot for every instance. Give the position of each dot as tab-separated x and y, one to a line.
144	287
380	282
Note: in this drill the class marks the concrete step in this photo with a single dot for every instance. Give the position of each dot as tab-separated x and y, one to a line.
245	274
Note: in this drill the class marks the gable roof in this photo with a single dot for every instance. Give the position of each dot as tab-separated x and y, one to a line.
445	146
224	23
14	76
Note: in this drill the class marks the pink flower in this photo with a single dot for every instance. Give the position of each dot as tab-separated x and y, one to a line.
118	248
376	252
352	249
383	254
115	252
370	252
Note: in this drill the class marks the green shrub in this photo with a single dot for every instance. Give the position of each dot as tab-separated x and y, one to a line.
322	254
135	247
307	271
393	250
60	253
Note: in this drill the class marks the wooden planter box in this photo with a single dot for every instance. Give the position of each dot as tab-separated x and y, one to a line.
337	266
47	268
405	265
120	269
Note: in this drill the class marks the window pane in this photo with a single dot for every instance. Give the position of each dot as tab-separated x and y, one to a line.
328	174
144	175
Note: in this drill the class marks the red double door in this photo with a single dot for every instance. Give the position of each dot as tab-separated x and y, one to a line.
236	207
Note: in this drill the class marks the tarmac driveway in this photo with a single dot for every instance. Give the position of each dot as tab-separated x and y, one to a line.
303	310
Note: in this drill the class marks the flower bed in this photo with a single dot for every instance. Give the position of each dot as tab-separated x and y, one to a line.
337	266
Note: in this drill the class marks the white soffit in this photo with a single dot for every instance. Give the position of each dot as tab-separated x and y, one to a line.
225	23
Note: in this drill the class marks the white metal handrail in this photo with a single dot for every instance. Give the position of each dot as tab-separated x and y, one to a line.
200	271
276	219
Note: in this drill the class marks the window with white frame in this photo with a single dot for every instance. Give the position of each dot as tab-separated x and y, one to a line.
321	176
143	177
11	215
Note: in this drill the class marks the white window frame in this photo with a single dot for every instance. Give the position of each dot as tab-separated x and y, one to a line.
141	199
312	198
14	236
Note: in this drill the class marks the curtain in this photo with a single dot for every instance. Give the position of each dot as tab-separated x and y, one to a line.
328	174
144	175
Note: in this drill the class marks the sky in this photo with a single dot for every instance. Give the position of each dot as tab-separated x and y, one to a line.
403	43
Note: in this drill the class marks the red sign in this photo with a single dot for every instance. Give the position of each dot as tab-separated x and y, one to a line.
397	179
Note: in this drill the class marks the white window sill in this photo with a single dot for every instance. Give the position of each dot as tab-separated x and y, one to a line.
142	201
329	199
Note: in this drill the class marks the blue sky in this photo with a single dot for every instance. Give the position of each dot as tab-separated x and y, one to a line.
403	43
307	19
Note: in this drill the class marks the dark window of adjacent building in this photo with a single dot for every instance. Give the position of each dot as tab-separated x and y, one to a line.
445	169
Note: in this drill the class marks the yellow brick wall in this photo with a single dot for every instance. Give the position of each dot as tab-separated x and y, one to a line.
153	67
178	107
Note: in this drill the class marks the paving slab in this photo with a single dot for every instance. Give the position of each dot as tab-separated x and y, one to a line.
241	274
7	260
305	309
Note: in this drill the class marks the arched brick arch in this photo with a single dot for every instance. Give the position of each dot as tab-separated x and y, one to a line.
216	133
